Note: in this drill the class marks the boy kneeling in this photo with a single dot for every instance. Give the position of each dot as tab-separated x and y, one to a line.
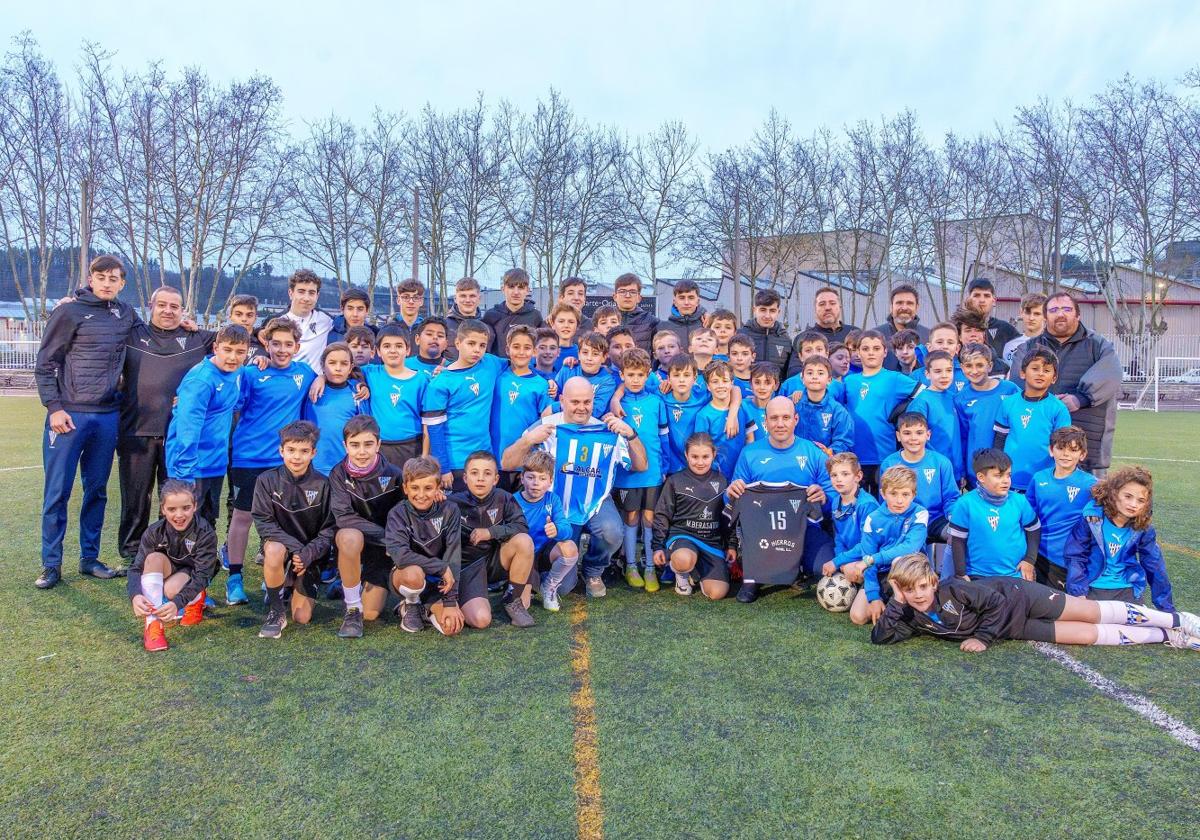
176	559
977	614
294	519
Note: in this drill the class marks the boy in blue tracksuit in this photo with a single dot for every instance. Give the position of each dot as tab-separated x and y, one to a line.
337	403
271	398
197	444
521	398
593	358
822	419
851	507
979	401
875	397
993	532
936	403
554	554
1058	495
1025	422
397	392
896	528
937	490
1112	553
462	392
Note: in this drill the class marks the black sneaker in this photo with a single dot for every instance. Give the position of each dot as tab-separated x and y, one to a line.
518	614
748	594
276	620
352	625
411	618
94	568
49	578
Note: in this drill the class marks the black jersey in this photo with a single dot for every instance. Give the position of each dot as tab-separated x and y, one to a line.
693	506
962	609
771	519
364	503
497	512
155	363
294	512
192	550
431	539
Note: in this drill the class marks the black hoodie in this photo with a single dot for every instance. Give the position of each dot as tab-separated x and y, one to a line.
82	354
771	345
501	319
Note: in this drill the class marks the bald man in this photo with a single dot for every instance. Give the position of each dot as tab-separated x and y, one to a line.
587	453
783	456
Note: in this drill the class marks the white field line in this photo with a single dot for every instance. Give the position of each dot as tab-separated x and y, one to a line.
15	469
1136	458
1136	703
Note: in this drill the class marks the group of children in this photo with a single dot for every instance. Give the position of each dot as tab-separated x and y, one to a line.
383	469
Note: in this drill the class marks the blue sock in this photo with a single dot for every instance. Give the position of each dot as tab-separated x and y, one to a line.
647	543
631	537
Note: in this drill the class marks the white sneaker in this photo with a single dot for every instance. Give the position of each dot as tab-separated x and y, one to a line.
1190	623
683	584
549	596
1179	639
595	587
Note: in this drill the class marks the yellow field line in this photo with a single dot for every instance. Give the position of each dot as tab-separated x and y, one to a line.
1180	549
589	813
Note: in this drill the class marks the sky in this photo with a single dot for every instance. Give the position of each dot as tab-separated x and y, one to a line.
718	67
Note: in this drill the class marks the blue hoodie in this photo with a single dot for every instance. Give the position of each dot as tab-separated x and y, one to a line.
197	444
271	399
826	422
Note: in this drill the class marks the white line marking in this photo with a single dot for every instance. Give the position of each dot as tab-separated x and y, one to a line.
1136	458
1137	704
15	469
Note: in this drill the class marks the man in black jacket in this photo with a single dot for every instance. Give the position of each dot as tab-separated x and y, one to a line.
294	519
771	341
78	374
687	315
1089	376
627	295
516	309
355	305
827	314
157	356
902	316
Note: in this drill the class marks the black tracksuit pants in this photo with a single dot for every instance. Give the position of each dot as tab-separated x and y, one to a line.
141	470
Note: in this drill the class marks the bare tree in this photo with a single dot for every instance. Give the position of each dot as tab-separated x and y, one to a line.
380	187
432	166
476	212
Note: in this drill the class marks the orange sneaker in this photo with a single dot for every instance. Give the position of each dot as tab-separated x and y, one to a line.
155	638
193	613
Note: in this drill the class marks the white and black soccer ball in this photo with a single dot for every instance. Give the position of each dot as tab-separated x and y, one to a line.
835	593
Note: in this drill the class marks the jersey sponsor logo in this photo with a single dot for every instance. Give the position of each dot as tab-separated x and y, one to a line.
802	460
88	317
299	380
182	341
384	482
764	544
1072	492
492	514
825	418
1026	417
971	403
578	469
189	544
929	476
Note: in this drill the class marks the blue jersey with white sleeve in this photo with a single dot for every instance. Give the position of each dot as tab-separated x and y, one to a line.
466	396
330	413
995	533
848	519
937	489
395	403
681	421
646	413
871	399
271	398
1029	424
520	400
1059	504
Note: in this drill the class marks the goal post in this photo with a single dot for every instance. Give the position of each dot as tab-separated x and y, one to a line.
1174	385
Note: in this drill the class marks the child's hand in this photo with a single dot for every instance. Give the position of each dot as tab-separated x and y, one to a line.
965	577
614	408
297	564
664	385
829	568
479	535
260	362
874	610
552	389
827	450
447	581
142	606
451	620
317	388
362	393
735	489
732	426
189	324
854	571
972	646
815	494
796	395
168	611
551	529
660	558
1026	569
898	596
439	495
447	480
570	361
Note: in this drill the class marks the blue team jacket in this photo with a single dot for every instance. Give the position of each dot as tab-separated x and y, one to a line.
826	422
1141	558
197	444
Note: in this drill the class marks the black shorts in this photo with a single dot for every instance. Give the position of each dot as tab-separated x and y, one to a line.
473	580
241	486
635	499
542	560
376	566
1048	574
1032	608
397	452
1124	594
710	563
208	498
937	530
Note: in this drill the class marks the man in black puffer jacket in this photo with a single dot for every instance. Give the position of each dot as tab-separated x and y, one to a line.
516	309
771	341
627	295
78	374
1089	376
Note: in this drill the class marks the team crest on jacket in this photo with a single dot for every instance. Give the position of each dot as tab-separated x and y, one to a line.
190	544
182	341
677	413
437	523
492	514
929	475
1025	418
384	481
802	460
299	380
1072	492
715	485
825	418
311	495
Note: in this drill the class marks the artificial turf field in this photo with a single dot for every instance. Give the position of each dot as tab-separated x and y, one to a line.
710	720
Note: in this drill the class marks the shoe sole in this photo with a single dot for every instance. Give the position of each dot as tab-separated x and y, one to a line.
342	635
264	635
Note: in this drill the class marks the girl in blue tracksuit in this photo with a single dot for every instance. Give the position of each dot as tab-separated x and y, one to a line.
1112	553
336	404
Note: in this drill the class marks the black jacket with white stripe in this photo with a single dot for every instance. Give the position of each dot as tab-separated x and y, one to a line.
294	512
497	512
430	539
364	503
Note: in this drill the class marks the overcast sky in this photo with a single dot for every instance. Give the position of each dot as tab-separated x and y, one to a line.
960	65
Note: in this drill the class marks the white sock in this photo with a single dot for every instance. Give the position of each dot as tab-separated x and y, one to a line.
1113	634
558	571
353	596
411	596
152	588
1134	615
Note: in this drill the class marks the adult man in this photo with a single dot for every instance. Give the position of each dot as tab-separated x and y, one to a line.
1089	376
410	294
304	287
903	316
782	456
586	455
627	295
981	296
465	308
687	315
78	371
771	342
355	304
516	308
827	312
157	356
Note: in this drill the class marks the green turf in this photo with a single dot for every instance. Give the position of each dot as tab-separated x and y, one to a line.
715	720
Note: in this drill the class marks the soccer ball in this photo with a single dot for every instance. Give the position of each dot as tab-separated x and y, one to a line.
835	593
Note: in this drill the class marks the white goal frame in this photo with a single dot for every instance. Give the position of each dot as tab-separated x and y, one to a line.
1157	378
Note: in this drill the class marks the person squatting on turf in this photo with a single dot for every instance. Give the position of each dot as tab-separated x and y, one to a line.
555	553
977	614
176	559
